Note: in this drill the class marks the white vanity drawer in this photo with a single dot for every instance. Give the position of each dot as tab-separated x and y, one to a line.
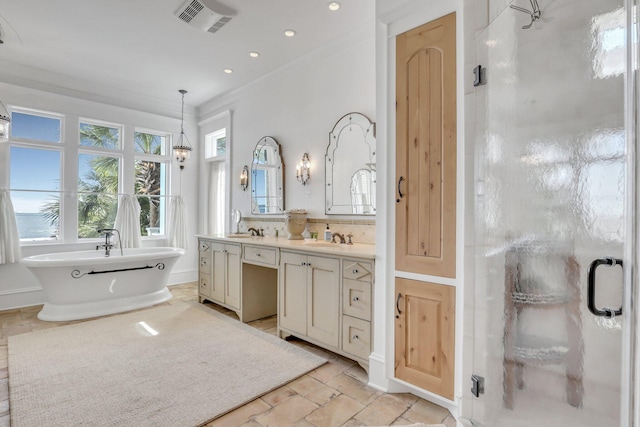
205	262
356	337
356	299
204	246
357	270
261	254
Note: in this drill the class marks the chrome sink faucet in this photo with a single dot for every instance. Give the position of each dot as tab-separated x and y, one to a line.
107	245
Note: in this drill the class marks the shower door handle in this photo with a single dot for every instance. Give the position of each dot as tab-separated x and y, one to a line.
591	291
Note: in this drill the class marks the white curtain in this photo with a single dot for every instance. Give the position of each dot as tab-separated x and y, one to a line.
9	238
128	221
177	233
216	198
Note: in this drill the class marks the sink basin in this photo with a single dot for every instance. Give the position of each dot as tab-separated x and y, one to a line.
323	244
238	236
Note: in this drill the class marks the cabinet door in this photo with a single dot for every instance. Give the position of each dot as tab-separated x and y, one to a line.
218	272
292	292
425	335
324	300
426	148
232	281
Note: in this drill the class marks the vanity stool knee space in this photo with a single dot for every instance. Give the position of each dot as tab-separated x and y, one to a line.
542	280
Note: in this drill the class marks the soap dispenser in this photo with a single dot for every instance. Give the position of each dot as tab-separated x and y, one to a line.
327	234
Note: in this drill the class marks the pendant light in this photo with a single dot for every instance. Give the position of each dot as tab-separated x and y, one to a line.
5	120
183	148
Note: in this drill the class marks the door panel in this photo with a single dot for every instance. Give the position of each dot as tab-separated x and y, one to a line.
292	310
551	150
323	309
218	277
425	335
426	148
232	286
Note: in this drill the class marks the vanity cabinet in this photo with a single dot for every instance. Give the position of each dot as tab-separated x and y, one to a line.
320	294
309	297
357	281
219	270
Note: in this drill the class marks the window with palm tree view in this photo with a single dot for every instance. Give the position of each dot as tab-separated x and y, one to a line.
42	195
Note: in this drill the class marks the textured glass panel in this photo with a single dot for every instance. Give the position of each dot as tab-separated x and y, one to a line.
549	183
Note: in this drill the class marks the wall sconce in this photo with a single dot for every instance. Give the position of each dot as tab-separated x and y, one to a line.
182	149
5	120
302	169
244	178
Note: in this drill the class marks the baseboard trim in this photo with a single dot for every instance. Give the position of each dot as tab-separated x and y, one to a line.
377	376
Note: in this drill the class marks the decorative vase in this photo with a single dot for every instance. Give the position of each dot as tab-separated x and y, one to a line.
295	223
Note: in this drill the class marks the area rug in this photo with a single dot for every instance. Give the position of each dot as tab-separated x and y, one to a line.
179	365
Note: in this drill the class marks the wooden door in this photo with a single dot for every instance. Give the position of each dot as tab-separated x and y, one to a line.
426	148
232	280
292	292
323	306
425	335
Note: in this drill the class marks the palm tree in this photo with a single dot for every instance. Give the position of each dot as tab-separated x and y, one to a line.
148	178
96	209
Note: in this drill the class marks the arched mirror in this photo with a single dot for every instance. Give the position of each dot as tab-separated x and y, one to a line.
350	165
267	183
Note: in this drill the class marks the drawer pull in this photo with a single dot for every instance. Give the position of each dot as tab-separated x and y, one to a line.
355	271
356	299
355	337
258	254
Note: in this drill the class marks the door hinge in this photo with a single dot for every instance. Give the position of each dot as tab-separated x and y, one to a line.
477	385
479	74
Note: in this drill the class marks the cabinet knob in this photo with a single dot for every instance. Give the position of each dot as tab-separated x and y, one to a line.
258	254
355	337
356	299
355	271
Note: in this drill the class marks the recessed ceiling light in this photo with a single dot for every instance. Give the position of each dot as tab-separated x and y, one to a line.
254	54
289	33
334	5
228	70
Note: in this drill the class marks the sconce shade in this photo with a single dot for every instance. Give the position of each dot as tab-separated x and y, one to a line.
302	169
182	149
244	178
5	120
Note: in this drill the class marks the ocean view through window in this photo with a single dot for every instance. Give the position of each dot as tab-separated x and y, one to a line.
65	183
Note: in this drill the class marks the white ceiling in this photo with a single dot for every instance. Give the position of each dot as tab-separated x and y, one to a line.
139	49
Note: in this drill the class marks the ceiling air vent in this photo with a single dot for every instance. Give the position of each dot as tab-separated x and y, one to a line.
200	14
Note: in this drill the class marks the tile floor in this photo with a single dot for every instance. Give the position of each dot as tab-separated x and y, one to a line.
335	394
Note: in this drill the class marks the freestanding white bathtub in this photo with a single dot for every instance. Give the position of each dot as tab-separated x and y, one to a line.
84	284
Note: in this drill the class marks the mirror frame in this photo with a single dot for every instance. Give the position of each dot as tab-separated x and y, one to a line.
368	129
278	205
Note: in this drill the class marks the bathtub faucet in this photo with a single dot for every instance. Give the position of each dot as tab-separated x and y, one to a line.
107	245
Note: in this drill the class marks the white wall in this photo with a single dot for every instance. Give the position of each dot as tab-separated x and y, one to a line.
298	105
18	287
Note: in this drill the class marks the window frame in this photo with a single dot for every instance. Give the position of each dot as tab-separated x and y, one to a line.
37	144
165	159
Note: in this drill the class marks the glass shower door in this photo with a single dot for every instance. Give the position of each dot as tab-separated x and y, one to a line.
550	200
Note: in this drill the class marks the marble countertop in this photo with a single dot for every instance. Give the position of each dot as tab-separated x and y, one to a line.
360	250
